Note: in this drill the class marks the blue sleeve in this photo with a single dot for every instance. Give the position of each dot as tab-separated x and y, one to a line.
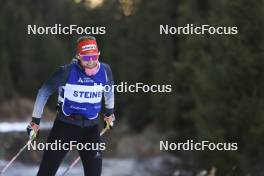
47	89
109	94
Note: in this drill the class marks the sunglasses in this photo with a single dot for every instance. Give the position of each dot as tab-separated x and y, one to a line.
89	57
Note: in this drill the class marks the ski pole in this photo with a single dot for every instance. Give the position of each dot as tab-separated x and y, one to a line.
19	152
78	158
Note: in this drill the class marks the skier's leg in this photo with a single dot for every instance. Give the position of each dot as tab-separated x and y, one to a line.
91	159
52	158
50	162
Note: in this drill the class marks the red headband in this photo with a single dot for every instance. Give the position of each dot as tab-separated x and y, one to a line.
87	47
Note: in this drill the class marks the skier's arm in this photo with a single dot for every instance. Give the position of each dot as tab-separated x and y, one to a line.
109	94
46	90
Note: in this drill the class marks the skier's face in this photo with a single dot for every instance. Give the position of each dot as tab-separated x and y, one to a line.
88	64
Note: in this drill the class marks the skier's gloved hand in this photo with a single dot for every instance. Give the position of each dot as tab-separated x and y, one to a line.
109	119
33	128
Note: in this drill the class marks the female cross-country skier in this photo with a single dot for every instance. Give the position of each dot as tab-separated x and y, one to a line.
79	85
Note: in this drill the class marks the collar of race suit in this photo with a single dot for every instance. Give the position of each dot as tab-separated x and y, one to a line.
90	71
